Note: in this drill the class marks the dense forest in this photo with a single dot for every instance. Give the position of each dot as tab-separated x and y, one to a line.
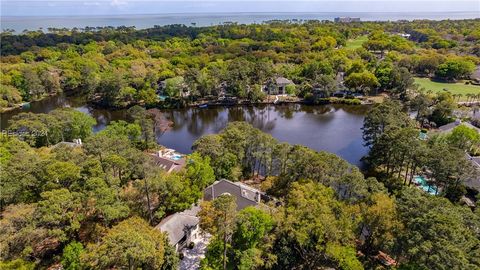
119	67
96	205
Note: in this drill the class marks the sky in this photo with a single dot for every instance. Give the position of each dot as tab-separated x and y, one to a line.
120	7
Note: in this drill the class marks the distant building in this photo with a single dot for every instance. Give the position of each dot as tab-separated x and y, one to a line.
474	181
277	86
245	195
75	143
449	127
346	19
181	228
168	160
404	35
476	75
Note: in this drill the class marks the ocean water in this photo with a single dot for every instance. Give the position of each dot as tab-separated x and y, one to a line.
20	23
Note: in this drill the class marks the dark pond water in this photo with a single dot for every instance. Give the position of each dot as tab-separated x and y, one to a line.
332	128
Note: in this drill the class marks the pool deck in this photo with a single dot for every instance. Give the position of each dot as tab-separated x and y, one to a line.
421	181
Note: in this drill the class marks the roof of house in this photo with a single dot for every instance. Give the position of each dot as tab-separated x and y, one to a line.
69	144
175	224
450	126
245	195
283	80
385	259
168	164
476	74
474	183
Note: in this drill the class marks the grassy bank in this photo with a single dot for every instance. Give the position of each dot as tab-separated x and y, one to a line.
356	43
454	88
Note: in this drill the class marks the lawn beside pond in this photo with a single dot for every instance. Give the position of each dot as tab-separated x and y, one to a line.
356	43
454	88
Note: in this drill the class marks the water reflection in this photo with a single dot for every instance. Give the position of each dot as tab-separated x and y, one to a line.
333	128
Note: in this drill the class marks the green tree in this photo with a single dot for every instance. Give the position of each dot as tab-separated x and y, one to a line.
131	244
219	220
71	256
379	215
314	229
252	228
103	201
443	109
17	264
199	171
463	137
174	87
60	212
363	82
382	117
455	69
32	85
437	233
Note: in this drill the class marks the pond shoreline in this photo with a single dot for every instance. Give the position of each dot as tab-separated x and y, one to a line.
198	103
335	128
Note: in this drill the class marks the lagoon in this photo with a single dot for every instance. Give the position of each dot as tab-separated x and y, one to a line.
332	128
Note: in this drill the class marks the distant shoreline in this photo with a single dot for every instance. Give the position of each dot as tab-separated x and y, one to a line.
227	13
144	21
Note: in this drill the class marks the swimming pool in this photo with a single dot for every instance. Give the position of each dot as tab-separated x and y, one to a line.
431	189
176	157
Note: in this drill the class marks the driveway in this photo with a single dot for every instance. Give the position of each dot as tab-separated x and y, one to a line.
192	257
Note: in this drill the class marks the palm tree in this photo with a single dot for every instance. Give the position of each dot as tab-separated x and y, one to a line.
454	96
468	97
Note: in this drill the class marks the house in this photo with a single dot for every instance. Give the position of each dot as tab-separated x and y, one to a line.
449	127
404	35
474	182
178	82
168	160
476	76
75	143
385	259
346	19
245	195
181	228
277	86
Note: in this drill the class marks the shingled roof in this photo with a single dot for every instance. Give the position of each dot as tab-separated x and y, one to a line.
174	225
245	195
282	80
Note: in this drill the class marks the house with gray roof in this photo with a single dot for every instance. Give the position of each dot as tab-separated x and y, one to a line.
449	127
277	86
75	143
181	228
476	75
474	182
245	195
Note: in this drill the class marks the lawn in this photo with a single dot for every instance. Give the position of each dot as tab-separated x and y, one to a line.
356	43
454	88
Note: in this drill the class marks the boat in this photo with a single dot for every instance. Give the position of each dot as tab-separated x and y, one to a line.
202	106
